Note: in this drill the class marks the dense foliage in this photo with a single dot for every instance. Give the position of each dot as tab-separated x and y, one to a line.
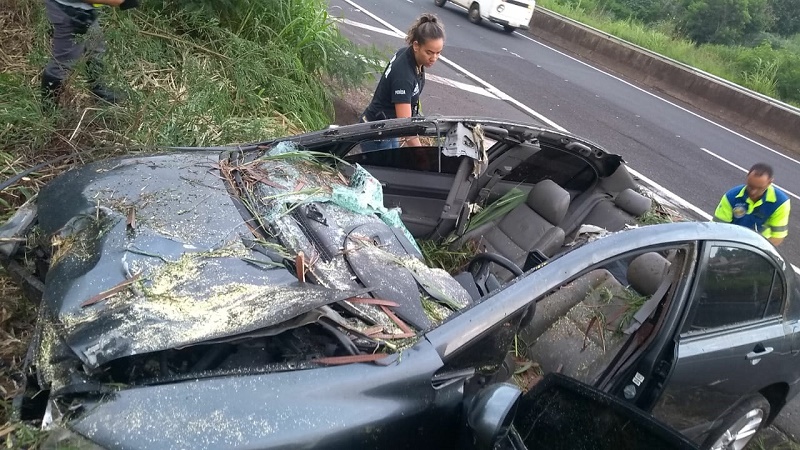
755	43
713	21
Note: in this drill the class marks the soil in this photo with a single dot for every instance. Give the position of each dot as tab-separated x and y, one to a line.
350	104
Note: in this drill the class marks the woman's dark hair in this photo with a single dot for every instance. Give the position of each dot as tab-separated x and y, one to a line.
427	27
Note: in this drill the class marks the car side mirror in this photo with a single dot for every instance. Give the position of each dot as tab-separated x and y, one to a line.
491	413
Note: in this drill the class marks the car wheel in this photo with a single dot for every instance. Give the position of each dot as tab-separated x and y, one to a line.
475	13
508	29
740	425
439	3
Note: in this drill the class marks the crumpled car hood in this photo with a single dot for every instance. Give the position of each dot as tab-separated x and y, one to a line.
152	253
131	274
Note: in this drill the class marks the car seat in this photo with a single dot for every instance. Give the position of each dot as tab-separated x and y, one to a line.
532	225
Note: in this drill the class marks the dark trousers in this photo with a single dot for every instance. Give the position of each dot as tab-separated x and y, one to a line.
72	39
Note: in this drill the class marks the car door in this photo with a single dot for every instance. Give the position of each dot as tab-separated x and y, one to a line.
733	340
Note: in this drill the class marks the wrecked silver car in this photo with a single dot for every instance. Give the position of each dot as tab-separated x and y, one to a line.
293	293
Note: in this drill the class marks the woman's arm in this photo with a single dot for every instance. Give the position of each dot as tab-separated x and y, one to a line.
403	110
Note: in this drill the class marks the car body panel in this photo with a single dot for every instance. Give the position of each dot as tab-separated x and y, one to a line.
715	366
369	406
311	349
512	13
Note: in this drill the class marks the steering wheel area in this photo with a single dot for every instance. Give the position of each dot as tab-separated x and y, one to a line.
479	268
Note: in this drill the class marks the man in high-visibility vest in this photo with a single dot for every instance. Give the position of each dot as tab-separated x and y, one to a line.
75	34
757	205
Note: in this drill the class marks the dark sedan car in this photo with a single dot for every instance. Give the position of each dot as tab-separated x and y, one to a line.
276	295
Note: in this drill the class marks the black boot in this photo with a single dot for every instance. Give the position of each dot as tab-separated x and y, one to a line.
107	94
94	72
51	90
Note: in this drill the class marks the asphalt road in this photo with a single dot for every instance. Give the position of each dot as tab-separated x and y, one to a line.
486	72
665	140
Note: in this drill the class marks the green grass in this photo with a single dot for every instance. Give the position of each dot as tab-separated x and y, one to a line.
440	255
772	441
774	72
191	79
655	215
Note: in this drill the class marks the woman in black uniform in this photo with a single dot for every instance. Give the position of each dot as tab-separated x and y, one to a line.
397	94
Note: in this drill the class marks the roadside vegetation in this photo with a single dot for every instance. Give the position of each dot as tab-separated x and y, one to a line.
753	43
196	73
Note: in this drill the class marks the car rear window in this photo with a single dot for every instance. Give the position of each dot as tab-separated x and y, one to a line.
567	170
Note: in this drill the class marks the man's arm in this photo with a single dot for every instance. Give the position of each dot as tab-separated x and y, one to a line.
104	2
778	224
724	211
121	4
776	241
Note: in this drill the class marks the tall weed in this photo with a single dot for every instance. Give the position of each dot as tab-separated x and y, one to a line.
196	73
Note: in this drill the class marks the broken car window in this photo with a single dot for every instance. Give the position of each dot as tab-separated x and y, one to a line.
737	287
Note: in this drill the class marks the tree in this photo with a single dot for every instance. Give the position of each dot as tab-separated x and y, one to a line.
650	11
787	16
723	21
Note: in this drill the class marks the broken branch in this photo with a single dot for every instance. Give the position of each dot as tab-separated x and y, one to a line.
108	293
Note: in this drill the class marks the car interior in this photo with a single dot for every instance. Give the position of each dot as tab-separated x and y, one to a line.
600	299
561	192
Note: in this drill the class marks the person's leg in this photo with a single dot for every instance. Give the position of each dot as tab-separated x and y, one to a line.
94	50
67	47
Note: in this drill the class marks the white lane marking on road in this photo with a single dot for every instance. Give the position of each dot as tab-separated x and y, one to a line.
366	26
396	31
435	78
504	96
742	169
673	196
497	92
664	100
459	85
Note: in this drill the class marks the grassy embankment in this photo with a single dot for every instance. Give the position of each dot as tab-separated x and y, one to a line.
774	72
196	73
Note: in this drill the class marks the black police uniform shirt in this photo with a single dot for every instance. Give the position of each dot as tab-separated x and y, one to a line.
401	83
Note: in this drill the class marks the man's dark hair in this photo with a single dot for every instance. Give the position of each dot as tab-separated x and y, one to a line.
760	169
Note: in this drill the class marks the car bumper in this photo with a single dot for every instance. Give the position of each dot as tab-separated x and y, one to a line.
509	23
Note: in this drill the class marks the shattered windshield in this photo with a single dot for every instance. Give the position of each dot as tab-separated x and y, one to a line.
327	218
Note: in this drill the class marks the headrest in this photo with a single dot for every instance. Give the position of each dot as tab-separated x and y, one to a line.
646	272
632	202
549	200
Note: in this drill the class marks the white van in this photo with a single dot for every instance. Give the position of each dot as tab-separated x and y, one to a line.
511	14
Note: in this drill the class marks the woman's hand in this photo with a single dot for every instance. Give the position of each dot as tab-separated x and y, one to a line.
410	142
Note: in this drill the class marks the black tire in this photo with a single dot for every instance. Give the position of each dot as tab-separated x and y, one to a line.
740	425
474	13
439	3
508	29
